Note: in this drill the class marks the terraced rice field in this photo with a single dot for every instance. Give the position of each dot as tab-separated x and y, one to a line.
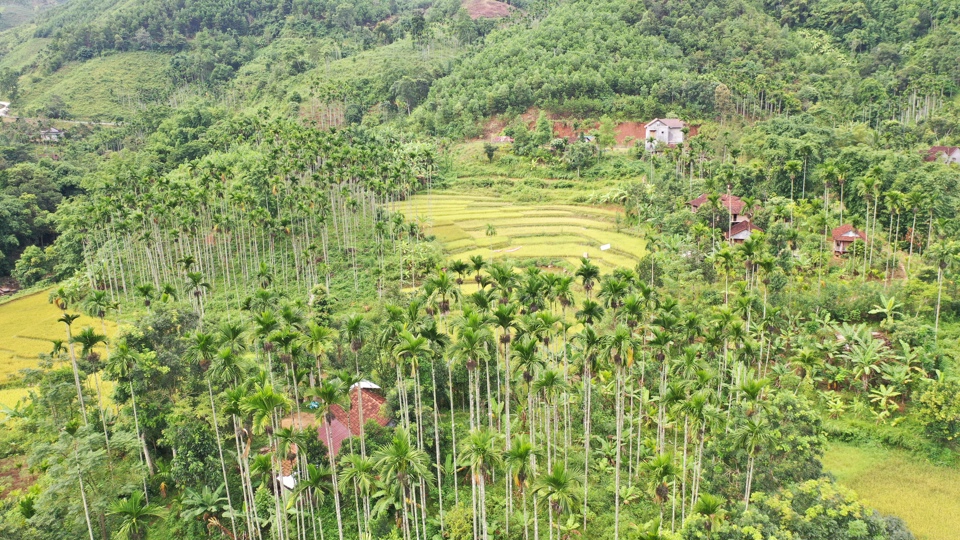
522	231
27	327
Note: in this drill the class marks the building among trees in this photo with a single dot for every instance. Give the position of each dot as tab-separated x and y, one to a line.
347	423
664	132
947	154
844	236
741	231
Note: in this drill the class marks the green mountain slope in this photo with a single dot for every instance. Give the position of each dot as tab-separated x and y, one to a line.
644	59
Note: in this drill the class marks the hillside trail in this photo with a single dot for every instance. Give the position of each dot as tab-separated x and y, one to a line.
5	112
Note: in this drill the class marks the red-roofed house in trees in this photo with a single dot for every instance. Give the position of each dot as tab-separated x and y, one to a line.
844	236
664	132
741	231
946	154
731	203
347	423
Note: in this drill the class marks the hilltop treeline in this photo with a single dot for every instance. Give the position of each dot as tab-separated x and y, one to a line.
866	61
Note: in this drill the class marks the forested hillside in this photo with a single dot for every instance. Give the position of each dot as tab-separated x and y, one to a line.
867	62
290	270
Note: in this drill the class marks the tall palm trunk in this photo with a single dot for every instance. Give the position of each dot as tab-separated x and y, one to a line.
616	481
76	372
336	486
223	465
83	493
587	424
913	238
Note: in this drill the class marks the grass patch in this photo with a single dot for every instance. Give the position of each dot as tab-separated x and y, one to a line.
896	482
24	54
13	15
105	87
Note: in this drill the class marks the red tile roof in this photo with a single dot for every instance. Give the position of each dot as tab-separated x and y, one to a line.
347	423
935	151
732	203
839	234
741	226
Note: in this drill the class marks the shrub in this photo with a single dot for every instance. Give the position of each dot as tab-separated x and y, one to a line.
939	410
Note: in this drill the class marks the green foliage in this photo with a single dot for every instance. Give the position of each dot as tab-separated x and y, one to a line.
939	409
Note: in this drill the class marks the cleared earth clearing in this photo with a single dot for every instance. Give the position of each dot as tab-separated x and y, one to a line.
469	225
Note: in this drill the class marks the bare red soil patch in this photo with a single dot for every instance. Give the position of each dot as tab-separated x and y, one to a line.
14	475
487	9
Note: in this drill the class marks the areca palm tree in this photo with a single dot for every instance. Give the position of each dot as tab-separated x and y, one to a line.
202	350
411	349
318	340
404	466
89	339
330	393
478	264
561	490
313	485
753	436
135	516
662	473
520	459
148	292
459	268
360	472
197	286
588	274
67	319
915	199
944	254
481	452
121	366
590	312
711	508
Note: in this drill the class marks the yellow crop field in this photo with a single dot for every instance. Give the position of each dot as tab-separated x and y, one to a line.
925	496
28	325
469	225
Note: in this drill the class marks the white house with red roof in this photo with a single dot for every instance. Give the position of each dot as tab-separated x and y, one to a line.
741	231
946	154
844	236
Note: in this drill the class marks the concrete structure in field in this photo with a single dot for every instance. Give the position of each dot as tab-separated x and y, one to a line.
741	231
663	132
347	423
731	204
51	135
946	154
844	236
